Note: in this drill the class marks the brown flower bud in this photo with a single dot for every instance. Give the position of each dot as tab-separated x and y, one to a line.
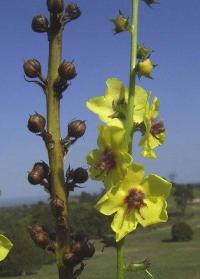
35	177
72	11
42	168
76	128
55	6
32	68
36	123
40	24
71	259
37	228
80	175
88	249
41	238
57	206
67	70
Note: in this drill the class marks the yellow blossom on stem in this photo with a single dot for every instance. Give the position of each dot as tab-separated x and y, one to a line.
112	107
154	130
111	160
5	246
136	199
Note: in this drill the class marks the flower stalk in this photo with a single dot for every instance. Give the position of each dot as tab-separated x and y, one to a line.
130	113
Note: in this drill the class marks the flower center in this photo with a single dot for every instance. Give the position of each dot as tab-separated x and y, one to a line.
157	127
107	161
134	199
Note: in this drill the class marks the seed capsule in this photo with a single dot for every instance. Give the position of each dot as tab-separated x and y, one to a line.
35	177
88	249
42	168
41	238
40	24
36	123
67	70
57	206
55	6
76	128
72	11
80	175
32	68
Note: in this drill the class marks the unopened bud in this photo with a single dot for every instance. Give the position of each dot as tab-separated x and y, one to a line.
76	128
145	68
67	70
36	123
143	52
72	11
57	206
150	2
40	24
32	68
55	6
80	175
121	23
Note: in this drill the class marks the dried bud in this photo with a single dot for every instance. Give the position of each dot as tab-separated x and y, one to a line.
121	23
67	70
40	237
150	2
88	249
35	177
40	24
71	259
57	206
42	168
37	228
76	128
80	175
36	123
32	68
55	6
72	11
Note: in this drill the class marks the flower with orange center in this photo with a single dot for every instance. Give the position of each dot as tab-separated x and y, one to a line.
136	199
110	162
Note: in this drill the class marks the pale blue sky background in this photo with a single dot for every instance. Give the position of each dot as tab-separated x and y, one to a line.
171	29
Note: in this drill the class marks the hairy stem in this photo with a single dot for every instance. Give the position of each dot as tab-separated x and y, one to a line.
55	152
129	121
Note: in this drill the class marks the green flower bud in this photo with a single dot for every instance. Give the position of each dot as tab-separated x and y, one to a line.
40	24
143	52
32	68
121	23
55	6
145	68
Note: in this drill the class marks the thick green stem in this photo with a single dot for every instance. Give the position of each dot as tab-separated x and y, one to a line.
55	151
129	120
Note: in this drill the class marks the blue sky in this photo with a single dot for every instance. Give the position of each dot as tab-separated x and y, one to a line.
171	29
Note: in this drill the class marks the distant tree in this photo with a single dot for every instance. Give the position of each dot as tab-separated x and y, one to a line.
182	195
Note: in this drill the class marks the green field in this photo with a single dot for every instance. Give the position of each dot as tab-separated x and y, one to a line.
170	260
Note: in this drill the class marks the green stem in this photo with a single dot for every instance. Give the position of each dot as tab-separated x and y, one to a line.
132	77
129	121
120	259
55	151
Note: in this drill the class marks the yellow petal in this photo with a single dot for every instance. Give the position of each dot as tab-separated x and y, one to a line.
115	89
5	246
123	223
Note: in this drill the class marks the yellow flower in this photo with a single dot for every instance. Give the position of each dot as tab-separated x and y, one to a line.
110	162
136	199
5	246
154	132
112	107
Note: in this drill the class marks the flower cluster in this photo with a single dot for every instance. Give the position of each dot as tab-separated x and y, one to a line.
133	197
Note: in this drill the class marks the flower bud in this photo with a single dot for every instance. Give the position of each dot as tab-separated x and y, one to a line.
71	259
150	2
80	175
40	24
35	177
41	238
76	128
67	70
42	168
55	6
88	249
143	52
145	68
57	206
36	123
32	68
121	23
72	11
